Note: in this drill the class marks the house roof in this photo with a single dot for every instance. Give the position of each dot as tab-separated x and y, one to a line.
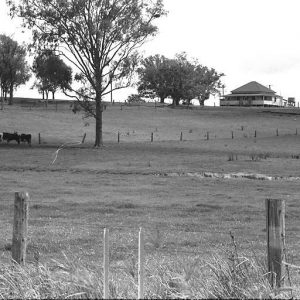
253	87
250	94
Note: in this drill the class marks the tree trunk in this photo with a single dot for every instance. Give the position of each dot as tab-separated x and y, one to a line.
162	99
201	101
43	94
2	98
47	97
11	94
176	101
98	138
53	95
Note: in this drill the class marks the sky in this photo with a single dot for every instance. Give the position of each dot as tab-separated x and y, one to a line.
247	40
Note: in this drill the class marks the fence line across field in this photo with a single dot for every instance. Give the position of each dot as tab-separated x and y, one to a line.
202	136
275	223
182	136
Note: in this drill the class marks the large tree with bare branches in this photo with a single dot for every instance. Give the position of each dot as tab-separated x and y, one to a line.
99	37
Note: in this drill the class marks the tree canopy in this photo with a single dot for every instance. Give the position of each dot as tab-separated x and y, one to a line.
51	73
99	37
154	76
14	69
179	78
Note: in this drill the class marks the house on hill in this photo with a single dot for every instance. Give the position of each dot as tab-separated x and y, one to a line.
253	94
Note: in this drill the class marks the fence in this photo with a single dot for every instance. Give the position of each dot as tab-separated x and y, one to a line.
181	136
275	236
158	134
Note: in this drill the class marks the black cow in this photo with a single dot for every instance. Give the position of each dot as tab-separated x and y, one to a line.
11	137
26	138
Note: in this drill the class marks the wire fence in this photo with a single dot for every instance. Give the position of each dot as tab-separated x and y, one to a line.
120	245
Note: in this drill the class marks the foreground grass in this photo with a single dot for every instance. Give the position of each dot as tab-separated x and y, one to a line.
236	276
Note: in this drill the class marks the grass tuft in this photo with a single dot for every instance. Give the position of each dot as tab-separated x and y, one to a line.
233	276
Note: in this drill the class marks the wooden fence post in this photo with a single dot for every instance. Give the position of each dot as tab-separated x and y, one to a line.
39	138
20	228
106	263
141	265
255	133
181	136
118	137
232	135
275	217
83	139
277	134
151	137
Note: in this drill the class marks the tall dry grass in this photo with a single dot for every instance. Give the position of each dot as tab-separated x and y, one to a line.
236	276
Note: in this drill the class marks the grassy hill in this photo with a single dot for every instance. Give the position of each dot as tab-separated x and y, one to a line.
188	195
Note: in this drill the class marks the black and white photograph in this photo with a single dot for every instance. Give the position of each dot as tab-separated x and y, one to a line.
150	149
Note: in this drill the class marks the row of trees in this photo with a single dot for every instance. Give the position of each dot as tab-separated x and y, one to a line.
50	71
14	70
179	78
100	39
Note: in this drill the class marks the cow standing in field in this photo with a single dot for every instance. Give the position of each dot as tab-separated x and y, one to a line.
11	137
26	138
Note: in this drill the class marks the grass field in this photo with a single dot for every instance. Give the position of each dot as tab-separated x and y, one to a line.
180	191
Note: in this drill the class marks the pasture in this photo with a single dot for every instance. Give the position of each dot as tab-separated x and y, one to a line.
177	190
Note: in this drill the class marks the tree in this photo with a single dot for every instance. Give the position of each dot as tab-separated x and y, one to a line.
51	73
206	82
14	70
99	37
154	75
181	75
180	78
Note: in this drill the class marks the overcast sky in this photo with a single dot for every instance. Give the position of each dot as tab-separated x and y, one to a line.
245	39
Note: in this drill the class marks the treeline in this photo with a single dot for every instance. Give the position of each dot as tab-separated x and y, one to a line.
178	78
158	76
50	70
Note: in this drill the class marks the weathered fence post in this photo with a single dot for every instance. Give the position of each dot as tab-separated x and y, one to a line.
255	133
118	137
277	134
19	240
106	263
39	138
151	137
232	136
141	265
181	136
275	217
